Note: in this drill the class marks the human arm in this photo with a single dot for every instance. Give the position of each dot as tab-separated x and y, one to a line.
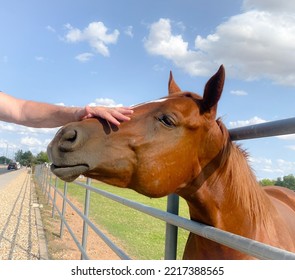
39	114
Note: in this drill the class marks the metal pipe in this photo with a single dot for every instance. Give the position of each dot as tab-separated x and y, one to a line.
274	128
63	211
54	197
86	214
171	230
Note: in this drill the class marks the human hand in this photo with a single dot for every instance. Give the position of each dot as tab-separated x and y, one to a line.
112	114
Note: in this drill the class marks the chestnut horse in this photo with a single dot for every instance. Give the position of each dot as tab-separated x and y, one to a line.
176	145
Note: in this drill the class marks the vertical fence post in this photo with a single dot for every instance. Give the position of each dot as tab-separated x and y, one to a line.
63	211
86	213
43	178
48	183
171	230
54	197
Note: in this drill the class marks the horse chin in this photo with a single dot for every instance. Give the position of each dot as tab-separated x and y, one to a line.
69	173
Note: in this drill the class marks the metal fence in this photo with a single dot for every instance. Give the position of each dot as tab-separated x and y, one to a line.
171	218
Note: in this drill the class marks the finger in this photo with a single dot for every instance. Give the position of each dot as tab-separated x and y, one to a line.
87	116
124	110
110	118
120	116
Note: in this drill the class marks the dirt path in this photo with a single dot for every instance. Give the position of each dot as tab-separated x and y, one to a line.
19	232
22	229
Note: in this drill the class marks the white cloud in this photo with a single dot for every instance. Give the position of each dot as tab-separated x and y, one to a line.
60	104
252	121
261	160
161	41
252	45
270	5
6	145
275	168
287	166
39	58
3	143
50	28
105	102
287	137
260	44
30	141
7	126
129	31
95	34
34	144
19	137
291	147
84	57
239	92
158	68
19	129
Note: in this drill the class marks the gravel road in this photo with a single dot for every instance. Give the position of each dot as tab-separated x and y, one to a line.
21	228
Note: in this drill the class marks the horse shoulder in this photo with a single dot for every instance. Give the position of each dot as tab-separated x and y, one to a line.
284	201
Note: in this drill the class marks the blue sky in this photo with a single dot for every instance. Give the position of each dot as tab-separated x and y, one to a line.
120	52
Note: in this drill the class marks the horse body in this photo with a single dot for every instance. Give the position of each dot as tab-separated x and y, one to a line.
176	145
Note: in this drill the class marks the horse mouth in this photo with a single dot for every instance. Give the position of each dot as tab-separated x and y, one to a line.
69	173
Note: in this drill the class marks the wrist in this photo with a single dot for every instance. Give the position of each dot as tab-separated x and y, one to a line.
79	114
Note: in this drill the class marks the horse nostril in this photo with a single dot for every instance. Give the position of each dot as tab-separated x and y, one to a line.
69	140
70	136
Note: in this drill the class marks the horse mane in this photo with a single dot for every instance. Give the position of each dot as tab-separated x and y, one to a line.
240	181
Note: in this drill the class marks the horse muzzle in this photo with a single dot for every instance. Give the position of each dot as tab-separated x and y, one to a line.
69	173
64	151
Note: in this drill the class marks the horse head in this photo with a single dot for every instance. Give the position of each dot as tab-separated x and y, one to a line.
162	149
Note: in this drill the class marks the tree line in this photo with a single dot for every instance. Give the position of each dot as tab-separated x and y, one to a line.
26	158
286	181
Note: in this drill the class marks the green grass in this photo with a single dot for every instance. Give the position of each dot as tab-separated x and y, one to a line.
140	235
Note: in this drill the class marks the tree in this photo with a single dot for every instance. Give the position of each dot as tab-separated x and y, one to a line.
267	182
4	160
42	157
24	158
279	182
18	155
27	158
289	181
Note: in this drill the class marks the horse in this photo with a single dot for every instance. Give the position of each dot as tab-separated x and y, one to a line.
177	145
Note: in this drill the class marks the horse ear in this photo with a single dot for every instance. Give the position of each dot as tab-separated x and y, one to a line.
213	90
172	86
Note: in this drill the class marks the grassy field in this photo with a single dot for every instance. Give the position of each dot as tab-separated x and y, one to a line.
142	236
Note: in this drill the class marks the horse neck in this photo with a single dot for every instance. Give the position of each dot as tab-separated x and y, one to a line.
226	194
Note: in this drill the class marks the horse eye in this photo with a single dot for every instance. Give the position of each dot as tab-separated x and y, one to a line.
167	120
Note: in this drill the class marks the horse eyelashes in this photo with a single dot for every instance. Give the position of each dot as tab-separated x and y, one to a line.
167	120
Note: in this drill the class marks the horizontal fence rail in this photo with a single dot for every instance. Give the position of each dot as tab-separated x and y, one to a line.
267	129
173	221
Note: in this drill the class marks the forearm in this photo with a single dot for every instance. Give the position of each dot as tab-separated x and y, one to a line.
38	114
